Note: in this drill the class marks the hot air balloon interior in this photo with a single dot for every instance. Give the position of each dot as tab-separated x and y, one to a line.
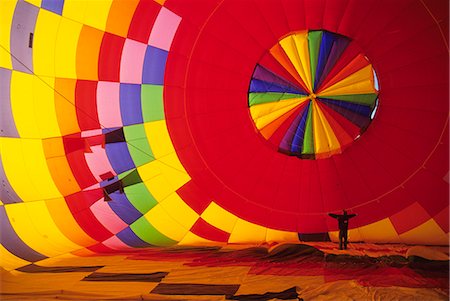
198	149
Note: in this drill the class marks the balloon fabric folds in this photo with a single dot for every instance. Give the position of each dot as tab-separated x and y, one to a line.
133	124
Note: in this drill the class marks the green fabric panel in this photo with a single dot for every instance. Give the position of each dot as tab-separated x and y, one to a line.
365	99
138	146
145	231
259	98
314	39
308	143
140	197
152	102
131	179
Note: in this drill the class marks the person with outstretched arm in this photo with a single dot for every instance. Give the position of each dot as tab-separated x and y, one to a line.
343	227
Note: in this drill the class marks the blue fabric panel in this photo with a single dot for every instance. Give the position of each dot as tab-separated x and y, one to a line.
24	22
354	107
265	75
55	6
119	157
324	52
129	238
257	85
339	45
123	208
360	120
130	104
12	243
154	66
297	142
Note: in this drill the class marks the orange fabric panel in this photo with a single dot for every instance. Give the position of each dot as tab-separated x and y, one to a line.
88	53
59	167
120	16
65	106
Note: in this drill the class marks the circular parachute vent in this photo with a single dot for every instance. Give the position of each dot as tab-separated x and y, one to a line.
312	94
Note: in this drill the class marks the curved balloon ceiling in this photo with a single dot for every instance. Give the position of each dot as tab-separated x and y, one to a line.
129	124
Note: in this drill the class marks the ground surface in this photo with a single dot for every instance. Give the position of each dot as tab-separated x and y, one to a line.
316	271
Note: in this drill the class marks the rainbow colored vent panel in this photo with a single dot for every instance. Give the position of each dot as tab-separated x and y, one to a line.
319	97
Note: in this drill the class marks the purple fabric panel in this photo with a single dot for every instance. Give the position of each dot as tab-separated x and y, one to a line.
7	193
265	75
286	142
119	157
130	104
123	208
337	49
129	238
24	22
11	242
7	124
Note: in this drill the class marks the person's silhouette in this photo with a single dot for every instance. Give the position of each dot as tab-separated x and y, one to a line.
343	226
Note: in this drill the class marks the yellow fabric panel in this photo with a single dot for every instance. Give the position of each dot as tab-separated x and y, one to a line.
381	231
159	185
59	167
353	235
159	138
33	224
296	48
88	52
8	261
66	48
246	232
36	3
325	141
66	223
75	10
26	169
65	106
194	240
1	203
174	170
120	16
219	217
208	275
180	211
278	235
165	224
44	107
33	108
429	233
263	114
22	104
44	41
360	82
96	13
6	16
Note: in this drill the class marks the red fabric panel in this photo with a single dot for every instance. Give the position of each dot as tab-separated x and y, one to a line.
295	14
86	105
109	57
214	135
143	19
409	218
435	197
73	143
80	169
208	231
89	223
101	248
273	15
82	200
194	197
442	219
314	12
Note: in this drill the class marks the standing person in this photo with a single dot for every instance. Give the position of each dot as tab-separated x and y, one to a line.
343	226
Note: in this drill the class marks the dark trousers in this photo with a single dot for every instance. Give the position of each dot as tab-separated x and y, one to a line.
342	239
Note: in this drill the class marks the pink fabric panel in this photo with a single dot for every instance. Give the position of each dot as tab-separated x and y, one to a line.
164	30
108	104
116	244
132	62
107	217
98	162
